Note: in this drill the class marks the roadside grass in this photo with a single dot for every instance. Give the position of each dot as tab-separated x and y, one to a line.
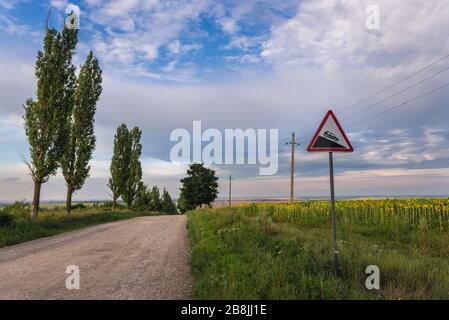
54	221
238	256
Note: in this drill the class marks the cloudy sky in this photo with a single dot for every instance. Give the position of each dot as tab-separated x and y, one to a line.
263	64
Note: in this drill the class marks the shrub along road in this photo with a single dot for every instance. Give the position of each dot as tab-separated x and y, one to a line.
140	258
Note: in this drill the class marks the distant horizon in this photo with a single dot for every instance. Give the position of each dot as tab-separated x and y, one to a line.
286	198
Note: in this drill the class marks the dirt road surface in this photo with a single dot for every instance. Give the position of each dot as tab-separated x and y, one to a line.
141	258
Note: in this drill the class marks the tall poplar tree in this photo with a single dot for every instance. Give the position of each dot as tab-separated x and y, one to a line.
156	204
120	163
167	204
135	168
80	142
46	117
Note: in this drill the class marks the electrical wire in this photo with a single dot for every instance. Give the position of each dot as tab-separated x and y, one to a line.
388	88
399	105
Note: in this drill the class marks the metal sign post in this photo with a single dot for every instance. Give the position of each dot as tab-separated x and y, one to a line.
331	138
333	216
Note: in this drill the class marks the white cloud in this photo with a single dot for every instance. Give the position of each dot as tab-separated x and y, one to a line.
59	4
228	25
243	42
136	30
153	169
11	129
16	83
332	35
10	27
9	4
171	66
176	47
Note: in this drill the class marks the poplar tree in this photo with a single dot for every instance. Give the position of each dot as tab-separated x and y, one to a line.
156	204
120	163
167	204
80	142
134	177
46	117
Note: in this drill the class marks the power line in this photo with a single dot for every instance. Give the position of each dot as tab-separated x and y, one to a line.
392	96
400	105
396	83
395	107
385	89
396	94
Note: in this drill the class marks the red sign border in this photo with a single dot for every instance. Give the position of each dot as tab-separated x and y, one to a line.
310	148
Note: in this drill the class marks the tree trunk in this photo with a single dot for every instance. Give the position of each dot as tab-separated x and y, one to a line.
68	202
36	199
114	202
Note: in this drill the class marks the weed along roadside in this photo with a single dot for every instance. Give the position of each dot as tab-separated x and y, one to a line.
269	251
19	228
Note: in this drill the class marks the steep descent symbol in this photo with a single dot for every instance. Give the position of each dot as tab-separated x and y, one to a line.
330	137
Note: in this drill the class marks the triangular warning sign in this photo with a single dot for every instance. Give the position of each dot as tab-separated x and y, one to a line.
330	137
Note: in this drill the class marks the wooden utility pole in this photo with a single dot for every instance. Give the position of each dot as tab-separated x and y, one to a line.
292	168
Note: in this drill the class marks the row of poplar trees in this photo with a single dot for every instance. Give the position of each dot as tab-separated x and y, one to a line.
126	175
59	123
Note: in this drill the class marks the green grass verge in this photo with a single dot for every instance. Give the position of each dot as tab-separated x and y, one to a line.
51	222
251	257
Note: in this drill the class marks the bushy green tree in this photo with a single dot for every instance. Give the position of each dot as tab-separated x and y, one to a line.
46	117
156	204
200	187
134	167
121	159
80	142
167	205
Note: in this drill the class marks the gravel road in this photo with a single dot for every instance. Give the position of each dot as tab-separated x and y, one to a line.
141	258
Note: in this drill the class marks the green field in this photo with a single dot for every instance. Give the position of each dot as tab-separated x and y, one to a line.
15	227
279	251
